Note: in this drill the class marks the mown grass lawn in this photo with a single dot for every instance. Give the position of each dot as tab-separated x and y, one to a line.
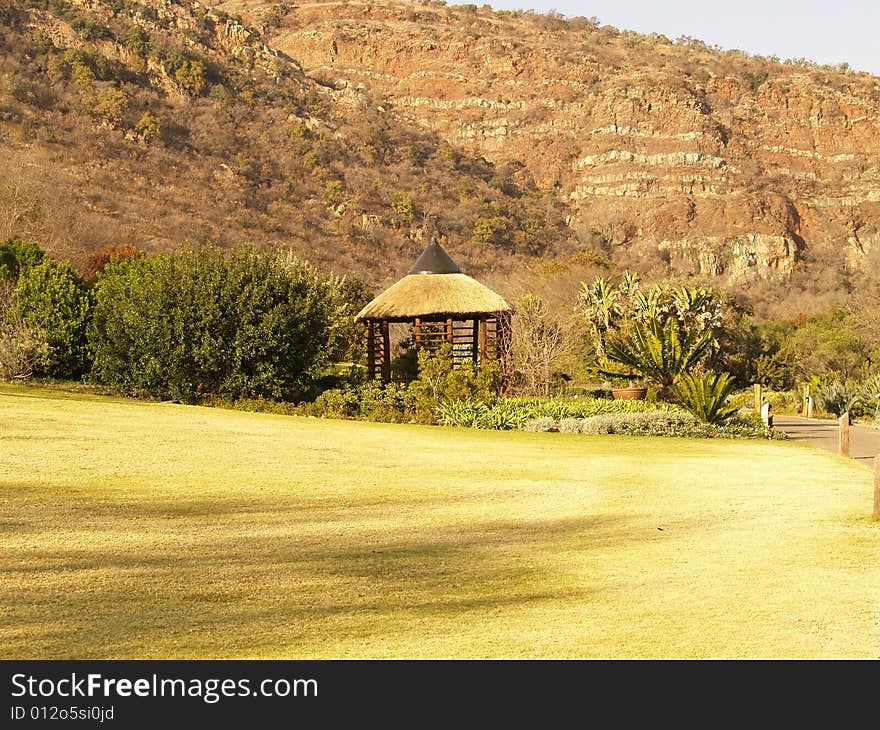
136	530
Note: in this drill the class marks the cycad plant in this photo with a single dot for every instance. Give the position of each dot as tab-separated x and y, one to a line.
662	352
705	397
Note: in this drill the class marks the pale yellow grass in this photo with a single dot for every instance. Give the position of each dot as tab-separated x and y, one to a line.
134	530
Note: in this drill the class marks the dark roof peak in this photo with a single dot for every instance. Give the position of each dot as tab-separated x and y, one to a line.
435	260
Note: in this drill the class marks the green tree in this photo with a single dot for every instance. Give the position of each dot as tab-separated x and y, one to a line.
347	338
137	40
54	299
492	230
828	346
16	256
190	74
404	209
246	325
149	127
108	107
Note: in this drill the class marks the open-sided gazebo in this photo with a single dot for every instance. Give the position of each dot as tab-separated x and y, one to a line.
441	304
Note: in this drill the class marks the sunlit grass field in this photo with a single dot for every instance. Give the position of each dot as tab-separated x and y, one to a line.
137	530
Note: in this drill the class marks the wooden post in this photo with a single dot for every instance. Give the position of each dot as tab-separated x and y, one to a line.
418	328
843	438
502	341
386	353
475	337
877	488
759	397
808	410
371	350
449	330
809	406
483	337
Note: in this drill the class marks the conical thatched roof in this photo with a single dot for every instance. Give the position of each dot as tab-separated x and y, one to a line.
435	260
435	286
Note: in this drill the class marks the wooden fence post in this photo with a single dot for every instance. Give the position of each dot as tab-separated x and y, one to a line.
808	410
843	436
759	397
877	488
371	349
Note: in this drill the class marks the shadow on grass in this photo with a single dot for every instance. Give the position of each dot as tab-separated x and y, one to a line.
287	580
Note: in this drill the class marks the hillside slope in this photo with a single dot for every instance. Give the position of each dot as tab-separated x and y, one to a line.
713	161
351	132
157	123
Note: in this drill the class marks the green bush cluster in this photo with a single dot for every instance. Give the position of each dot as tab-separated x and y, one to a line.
441	381
371	401
54	299
46	307
243	325
17	255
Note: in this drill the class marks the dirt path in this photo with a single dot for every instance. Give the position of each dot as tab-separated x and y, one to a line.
864	442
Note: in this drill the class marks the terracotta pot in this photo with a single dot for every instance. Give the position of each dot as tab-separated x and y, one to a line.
629	393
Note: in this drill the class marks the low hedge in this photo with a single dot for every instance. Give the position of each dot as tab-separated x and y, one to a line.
514	413
657	423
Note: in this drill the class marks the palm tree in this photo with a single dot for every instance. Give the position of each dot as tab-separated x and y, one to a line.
599	304
697	307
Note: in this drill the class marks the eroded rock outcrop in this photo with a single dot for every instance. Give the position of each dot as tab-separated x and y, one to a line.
672	148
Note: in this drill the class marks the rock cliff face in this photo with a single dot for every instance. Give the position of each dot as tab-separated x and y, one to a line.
712	161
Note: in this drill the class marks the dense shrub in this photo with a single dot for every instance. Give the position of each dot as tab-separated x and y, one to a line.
17	255
53	299
442	380
371	401
657	423
544	424
441	384
246	325
22	345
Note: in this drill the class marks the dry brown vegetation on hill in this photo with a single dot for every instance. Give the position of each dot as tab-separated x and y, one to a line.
158	123
349	131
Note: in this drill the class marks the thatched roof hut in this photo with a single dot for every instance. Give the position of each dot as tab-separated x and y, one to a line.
442	305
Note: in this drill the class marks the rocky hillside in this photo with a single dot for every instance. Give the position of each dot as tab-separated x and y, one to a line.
162	122
351	131
712	161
